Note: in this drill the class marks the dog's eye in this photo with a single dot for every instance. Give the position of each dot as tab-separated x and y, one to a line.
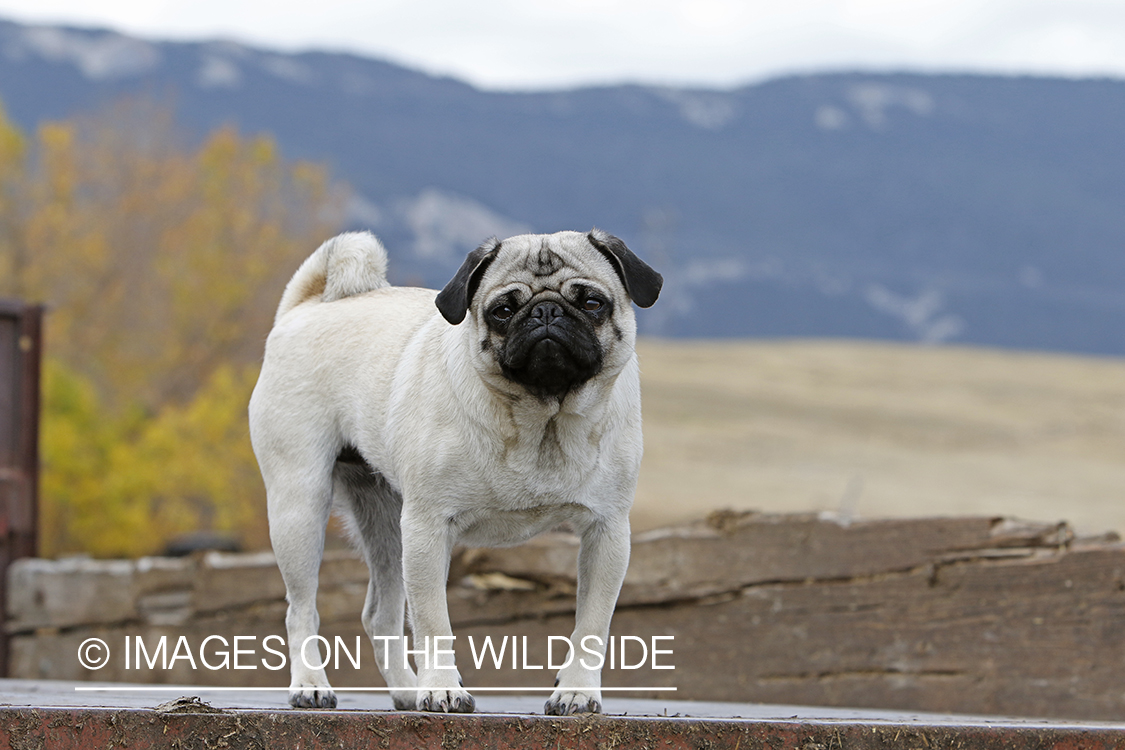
502	312
592	304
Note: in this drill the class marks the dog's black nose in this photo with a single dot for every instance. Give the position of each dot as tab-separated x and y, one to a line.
546	312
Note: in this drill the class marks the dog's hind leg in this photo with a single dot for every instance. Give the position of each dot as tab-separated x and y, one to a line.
299	499
375	510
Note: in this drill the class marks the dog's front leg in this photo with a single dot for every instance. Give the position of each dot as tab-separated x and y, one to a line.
427	542
602	561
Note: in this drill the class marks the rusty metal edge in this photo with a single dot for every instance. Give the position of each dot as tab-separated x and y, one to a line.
22	535
26	542
92	728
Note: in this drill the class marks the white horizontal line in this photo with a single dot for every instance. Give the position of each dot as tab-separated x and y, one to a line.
212	689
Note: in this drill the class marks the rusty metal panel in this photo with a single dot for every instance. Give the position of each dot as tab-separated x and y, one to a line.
20	351
200	726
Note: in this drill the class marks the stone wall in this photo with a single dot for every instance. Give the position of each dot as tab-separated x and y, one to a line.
967	615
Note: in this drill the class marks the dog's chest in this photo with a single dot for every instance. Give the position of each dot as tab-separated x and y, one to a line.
496	527
543	480
562	450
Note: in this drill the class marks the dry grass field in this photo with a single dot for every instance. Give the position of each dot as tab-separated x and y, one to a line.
874	430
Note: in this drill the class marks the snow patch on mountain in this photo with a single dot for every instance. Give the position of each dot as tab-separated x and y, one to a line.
446	224
217	72
922	314
708	110
287	69
99	56
872	101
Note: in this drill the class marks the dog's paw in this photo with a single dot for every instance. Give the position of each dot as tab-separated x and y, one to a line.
567	702
312	696
404	700
446	701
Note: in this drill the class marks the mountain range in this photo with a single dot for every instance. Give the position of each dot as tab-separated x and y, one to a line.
937	208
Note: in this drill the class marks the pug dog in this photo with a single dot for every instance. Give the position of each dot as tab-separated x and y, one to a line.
505	405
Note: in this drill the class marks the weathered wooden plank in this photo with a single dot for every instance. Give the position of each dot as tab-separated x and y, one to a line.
728	552
83	592
731	550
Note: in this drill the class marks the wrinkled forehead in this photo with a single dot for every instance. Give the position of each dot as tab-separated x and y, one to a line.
548	261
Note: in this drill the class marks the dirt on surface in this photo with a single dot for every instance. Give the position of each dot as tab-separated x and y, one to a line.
90	728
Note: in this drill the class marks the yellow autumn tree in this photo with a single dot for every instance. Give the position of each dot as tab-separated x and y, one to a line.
13	260
161	264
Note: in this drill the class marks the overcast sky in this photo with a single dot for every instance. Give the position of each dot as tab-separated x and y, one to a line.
553	43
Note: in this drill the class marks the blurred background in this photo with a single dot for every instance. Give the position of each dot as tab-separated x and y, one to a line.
892	233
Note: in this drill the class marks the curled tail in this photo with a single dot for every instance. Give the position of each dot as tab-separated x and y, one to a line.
346	265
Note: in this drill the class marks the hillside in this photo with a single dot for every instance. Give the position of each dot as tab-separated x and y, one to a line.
877	430
941	208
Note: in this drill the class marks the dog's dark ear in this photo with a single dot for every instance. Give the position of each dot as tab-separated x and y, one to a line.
453	301
641	281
